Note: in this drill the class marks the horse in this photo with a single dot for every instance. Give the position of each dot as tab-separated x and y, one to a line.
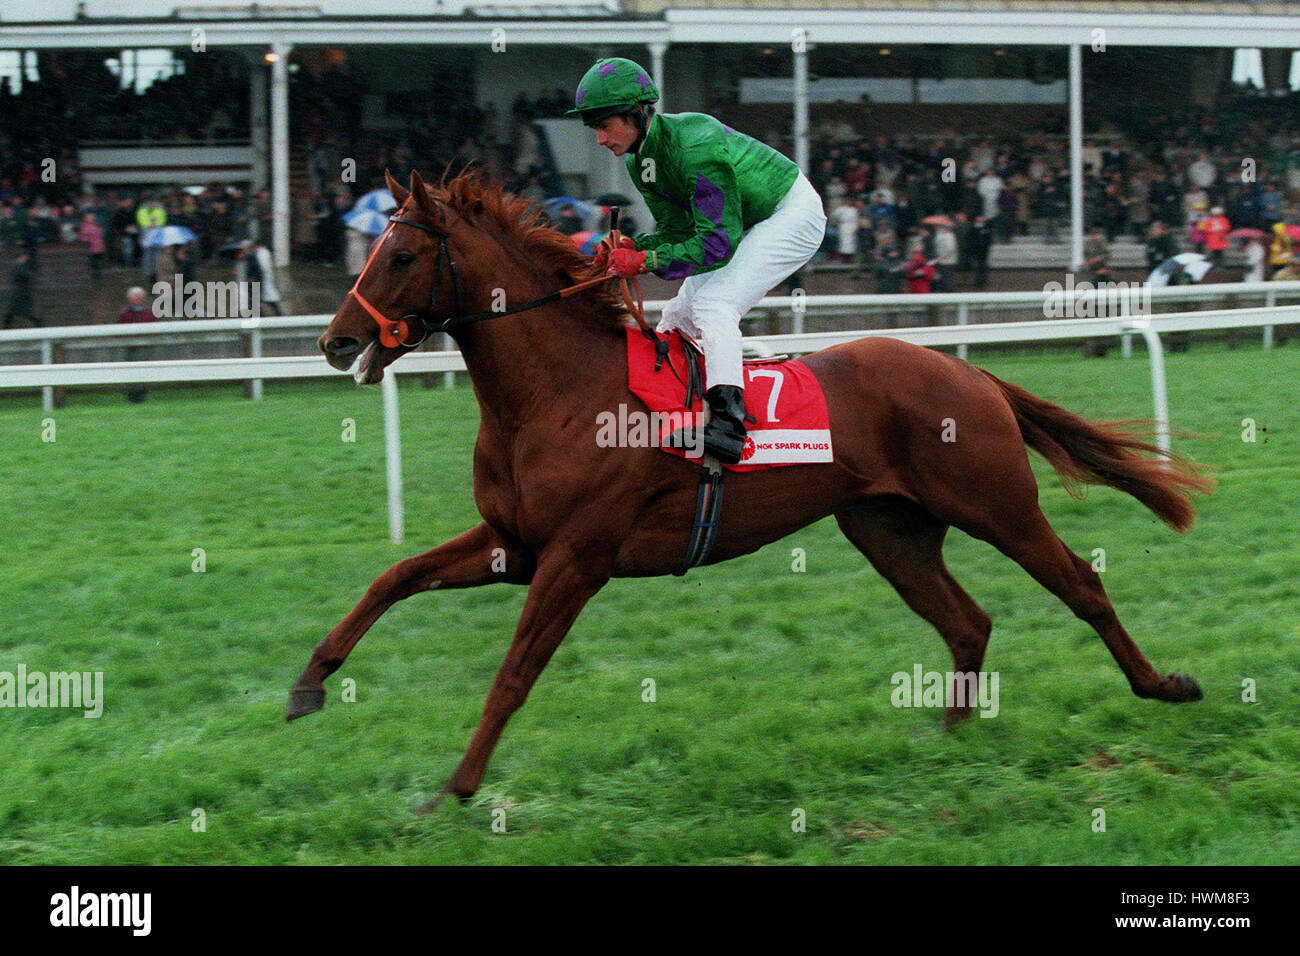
563	516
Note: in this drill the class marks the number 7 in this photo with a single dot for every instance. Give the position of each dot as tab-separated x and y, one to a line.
778	378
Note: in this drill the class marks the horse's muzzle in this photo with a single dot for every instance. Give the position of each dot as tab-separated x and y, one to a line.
340	350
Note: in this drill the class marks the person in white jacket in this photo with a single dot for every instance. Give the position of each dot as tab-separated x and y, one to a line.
255	265
946	257
846	225
990	188
1256	256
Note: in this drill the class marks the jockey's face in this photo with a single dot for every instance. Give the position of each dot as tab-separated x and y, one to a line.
616	134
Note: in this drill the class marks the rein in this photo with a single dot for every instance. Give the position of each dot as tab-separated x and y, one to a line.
394	333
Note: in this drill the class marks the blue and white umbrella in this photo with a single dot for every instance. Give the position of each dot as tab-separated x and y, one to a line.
377	200
556	205
1192	264
370	215
168	236
366	221
588	214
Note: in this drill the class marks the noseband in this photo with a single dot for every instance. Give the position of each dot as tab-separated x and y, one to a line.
394	333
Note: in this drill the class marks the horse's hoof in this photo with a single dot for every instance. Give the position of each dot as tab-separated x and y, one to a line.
1183	688
304	701
433	804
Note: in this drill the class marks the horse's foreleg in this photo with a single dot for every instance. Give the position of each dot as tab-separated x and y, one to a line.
560	589
479	556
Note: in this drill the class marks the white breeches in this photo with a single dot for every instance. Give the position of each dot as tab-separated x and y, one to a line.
709	306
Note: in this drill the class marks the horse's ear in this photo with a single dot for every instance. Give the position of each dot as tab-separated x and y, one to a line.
418	191
423	201
398	192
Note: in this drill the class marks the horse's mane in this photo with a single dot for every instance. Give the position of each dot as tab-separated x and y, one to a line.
473	195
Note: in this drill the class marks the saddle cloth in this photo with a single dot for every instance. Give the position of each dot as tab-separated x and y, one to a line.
793	427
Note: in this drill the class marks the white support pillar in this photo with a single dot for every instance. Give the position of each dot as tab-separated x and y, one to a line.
447	344
393	454
657	51
255	351
1076	157
1270	301
800	48
1159	390
1126	312
280	151
614	165
257	125
47	358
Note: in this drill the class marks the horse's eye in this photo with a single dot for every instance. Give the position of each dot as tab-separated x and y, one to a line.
403	259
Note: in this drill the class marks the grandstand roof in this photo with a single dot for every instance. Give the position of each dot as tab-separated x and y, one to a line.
30	24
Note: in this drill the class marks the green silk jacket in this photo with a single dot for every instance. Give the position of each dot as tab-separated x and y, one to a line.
706	185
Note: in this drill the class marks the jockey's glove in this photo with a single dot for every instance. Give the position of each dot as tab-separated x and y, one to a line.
625	261
601	260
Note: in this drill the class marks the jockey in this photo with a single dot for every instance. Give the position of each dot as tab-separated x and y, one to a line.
734	218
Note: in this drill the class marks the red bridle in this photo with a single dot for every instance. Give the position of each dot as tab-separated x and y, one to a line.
391	333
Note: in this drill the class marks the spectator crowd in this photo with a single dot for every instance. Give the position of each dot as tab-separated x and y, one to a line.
1194	176
907	213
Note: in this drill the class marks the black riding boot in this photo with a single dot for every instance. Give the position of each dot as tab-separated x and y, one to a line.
724	435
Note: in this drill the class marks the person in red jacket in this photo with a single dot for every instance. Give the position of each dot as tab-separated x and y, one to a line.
919	272
136	310
1215	229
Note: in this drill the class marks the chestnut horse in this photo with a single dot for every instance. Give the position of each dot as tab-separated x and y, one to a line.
563	515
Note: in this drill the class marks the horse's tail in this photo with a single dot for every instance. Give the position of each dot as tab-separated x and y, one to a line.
1105	453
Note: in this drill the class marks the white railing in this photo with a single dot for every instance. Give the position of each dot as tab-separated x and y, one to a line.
959	308
227	369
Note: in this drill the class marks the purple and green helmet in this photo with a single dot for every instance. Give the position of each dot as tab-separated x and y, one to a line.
611	86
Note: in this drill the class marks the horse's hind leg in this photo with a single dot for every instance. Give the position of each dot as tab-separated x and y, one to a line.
904	543
1023	534
479	556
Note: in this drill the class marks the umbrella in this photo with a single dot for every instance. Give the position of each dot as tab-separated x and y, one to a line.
556	205
370	214
1293	232
369	222
586	212
377	200
168	236
612	199
1247	233
937	221
1192	264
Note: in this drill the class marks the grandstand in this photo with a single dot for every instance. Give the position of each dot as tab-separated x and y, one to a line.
221	102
